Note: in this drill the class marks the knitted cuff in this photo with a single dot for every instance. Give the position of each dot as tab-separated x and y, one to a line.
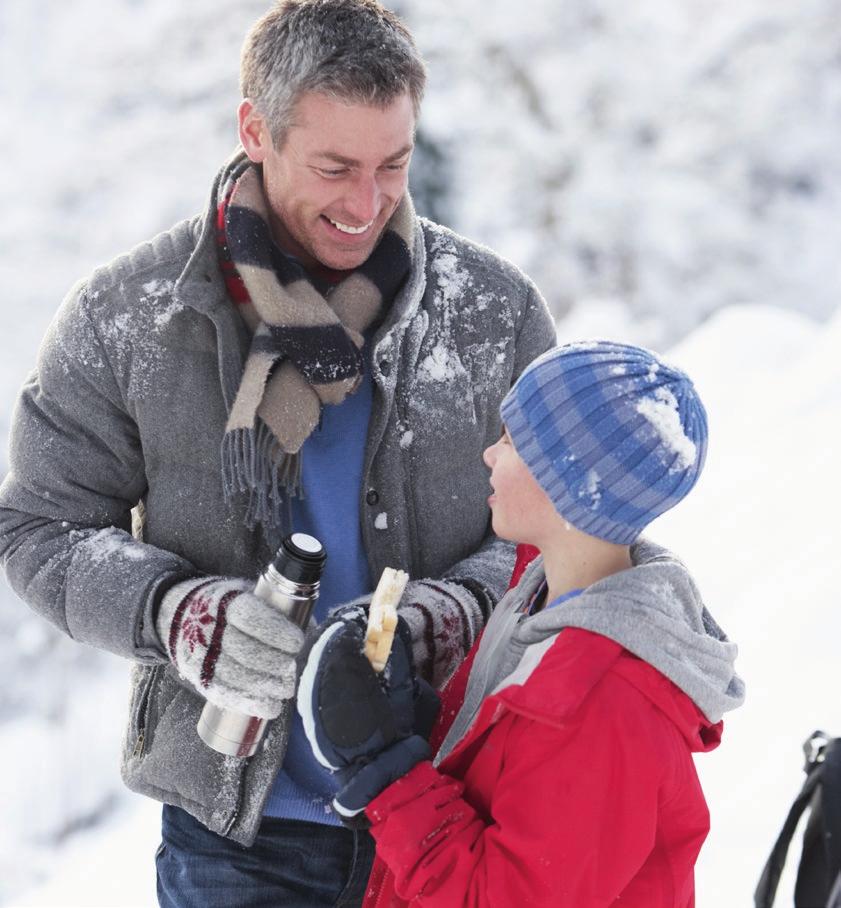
444	619
480	593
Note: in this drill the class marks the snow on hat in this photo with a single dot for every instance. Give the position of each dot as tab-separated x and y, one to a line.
611	433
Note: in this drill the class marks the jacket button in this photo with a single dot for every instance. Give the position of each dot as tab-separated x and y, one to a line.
372	497
385	367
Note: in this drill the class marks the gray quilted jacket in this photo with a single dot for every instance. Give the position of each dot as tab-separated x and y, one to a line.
126	410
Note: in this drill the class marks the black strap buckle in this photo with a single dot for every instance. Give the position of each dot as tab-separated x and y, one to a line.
814	749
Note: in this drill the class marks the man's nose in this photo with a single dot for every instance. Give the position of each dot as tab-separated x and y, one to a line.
363	200
488	456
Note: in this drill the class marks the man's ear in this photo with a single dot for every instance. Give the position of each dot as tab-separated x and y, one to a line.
253	132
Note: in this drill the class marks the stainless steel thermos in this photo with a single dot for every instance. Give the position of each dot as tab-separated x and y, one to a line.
290	583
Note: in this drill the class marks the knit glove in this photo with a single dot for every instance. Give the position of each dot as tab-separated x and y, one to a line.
235	649
360	724
444	617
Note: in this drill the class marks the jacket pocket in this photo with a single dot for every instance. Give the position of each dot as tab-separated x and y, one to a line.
167	760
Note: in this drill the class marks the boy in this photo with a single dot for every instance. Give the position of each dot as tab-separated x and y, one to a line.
567	777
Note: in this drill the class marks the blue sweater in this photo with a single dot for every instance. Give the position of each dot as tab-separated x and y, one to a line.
332	467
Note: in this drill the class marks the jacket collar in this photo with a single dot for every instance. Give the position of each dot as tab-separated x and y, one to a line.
200	284
554	683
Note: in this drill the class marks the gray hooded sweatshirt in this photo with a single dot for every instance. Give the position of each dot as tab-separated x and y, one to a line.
653	609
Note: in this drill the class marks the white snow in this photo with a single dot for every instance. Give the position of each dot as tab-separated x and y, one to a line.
163	318
592	490
110	543
663	413
381	521
453	279
642	192
108	866
759	533
157	289
439	366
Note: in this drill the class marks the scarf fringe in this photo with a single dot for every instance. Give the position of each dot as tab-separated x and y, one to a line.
253	463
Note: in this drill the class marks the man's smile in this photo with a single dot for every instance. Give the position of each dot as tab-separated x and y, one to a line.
347	228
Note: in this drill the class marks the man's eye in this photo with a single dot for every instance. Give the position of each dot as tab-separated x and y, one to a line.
332	174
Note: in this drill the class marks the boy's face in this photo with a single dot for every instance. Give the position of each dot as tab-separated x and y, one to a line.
522	511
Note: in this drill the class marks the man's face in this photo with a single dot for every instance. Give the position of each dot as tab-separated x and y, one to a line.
338	177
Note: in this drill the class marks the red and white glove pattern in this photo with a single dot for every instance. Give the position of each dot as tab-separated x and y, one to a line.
234	648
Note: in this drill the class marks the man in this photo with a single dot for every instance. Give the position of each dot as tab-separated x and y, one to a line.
307	354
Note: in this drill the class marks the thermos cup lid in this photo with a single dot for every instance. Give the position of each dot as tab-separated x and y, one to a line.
300	558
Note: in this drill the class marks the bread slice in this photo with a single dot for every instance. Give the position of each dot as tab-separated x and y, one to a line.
382	617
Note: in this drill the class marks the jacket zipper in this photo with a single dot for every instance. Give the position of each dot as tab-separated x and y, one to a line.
143	714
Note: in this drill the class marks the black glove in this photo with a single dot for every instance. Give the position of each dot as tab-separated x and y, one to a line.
427	702
361	725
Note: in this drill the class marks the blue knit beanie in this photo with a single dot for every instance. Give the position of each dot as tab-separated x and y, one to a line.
611	433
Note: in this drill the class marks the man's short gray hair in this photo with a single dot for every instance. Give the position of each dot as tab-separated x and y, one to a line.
354	51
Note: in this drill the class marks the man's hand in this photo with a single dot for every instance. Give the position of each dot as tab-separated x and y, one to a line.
234	648
361	724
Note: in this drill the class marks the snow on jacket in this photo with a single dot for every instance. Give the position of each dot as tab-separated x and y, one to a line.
574	785
128	405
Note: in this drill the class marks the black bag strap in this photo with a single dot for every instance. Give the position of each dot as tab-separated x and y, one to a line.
766	889
831	805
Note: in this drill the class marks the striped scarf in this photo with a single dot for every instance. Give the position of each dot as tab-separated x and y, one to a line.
306	350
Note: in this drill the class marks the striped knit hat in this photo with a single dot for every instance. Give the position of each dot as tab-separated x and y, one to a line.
611	433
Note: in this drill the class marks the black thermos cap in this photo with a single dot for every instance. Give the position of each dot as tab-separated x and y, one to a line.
300	558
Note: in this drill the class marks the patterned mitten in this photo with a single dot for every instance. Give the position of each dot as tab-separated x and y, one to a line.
234	648
444	618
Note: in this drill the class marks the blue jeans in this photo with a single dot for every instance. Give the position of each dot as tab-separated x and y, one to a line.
292	863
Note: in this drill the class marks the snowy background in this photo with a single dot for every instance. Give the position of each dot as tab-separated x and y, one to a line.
667	172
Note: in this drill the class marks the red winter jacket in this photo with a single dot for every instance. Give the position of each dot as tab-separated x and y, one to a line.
575	789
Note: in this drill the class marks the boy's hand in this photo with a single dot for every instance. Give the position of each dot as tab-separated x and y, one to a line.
360	724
